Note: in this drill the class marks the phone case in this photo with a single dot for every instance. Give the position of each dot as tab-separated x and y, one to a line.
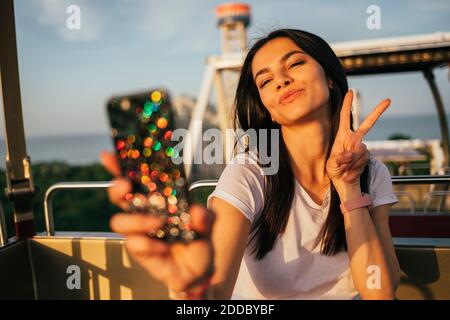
141	128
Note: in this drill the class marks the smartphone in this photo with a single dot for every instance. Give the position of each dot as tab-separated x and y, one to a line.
141	128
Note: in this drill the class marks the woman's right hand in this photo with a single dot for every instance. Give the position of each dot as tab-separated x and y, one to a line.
180	266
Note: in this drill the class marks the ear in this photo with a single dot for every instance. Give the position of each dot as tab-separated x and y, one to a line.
330	83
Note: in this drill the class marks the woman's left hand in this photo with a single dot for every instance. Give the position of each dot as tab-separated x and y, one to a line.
349	155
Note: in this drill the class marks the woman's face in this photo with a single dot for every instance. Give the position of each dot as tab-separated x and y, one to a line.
291	84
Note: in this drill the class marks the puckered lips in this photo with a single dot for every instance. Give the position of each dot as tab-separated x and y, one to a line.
290	95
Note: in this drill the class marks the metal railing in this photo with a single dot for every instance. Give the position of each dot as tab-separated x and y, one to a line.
203	183
48	205
3	234
48	200
422	179
48	210
410	198
429	195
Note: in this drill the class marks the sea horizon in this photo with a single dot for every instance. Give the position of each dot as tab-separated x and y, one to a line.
84	148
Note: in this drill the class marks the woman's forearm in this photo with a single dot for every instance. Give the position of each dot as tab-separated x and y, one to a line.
381	222
368	263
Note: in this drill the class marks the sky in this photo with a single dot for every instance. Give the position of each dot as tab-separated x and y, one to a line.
131	45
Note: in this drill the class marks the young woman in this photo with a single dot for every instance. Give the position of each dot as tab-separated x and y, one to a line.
305	232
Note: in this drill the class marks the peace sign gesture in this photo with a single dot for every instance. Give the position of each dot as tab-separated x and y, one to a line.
349	155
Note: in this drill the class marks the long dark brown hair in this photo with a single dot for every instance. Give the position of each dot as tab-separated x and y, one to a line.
250	113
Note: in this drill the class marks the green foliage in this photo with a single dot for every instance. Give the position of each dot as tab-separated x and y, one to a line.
420	167
200	195
399	136
74	210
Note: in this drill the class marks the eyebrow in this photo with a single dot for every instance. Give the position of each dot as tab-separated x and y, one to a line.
283	58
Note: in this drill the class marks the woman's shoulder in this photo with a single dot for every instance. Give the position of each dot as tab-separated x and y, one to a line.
380	183
242	171
377	169
242	184
245	163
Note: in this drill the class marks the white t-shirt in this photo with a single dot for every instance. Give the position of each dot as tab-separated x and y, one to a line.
294	268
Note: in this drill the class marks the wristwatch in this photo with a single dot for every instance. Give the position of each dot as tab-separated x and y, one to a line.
364	201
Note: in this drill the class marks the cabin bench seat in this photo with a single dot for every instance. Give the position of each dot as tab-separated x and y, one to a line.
44	268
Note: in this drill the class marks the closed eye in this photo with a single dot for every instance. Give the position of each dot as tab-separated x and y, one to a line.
296	64
264	83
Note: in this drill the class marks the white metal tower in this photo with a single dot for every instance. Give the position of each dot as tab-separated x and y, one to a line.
221	72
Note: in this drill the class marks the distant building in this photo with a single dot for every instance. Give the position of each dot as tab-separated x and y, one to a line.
184	106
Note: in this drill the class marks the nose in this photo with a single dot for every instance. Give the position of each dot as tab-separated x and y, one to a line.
283	80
